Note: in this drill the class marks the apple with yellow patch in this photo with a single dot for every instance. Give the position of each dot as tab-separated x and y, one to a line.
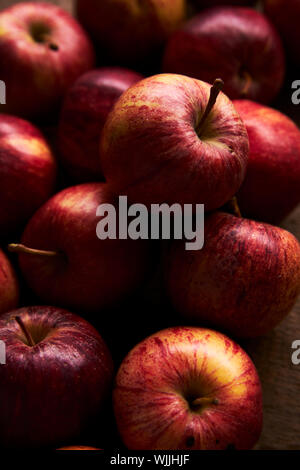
43	50
27	172
188	388
173	139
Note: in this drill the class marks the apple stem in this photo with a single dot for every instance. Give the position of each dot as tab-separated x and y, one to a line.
233	206
19	248
213	95
248	80
25	331
205	401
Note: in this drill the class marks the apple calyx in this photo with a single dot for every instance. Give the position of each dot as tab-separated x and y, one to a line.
27	334
213	95
19	248
204	401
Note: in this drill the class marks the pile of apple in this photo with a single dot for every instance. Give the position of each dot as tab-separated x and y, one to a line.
173	137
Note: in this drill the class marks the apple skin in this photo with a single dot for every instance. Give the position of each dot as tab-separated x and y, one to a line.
285	16
27	172
244	281
86	107
237	44
9	287
78	448
271	189
150	149
129	31
43	50
214	3
88	274
51	391
163	374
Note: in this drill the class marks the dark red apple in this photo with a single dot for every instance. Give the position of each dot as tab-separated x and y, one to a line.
85	109
237	44
9	288
78	448
66	264
188	389
271	188
127	31
166	141
285	16
43	50
245	280
56	378
213	3
27	172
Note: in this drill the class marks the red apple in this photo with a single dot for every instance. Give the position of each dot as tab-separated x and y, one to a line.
27	172
9	288
271	188
66	264
213	3
165	142
43	50
238	44
245	280
86	107
78	448
56	378
188	388
130	30
285	16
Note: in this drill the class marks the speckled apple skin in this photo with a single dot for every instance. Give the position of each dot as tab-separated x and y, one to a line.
36	76
85	109
226	42
50	392
285	16
90	273
271	188
151	151
9	288
27	172
244	281
161	373
130	30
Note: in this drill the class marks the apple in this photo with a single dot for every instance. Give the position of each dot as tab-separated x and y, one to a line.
213	3
43	50
285	16
245	280
56	378
78	448
86	107
271	188
9	287
173	139
65	263
188	389
238	44
127	31
27	172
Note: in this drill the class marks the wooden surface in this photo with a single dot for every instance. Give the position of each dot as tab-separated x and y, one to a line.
271	354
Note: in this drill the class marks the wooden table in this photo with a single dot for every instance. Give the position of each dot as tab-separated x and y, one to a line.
271	354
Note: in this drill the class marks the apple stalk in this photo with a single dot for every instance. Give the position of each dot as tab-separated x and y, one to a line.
27	334
19	248
214	92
